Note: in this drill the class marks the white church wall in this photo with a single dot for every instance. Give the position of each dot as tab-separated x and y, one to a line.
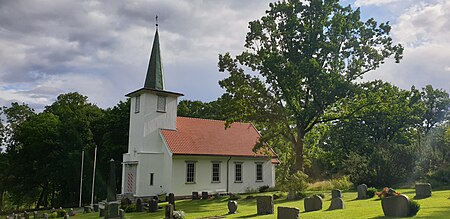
150	163
203	172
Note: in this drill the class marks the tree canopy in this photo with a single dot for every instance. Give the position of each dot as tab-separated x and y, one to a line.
301	59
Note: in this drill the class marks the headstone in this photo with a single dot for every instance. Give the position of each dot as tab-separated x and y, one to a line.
102	212
195	196
336	203
395	206
362	191
66	216
139	207
35	214
95	207
71	212
121	214
111	188
153	205
232	207
171	200
45	216
26	215
288	213
423	190
16	216
87	209
264	205
112	210
313	203
168	214
205	195
336	193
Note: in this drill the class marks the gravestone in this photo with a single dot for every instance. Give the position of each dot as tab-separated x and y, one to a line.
288	213
121	214
26	215
195	196
139	207
171	200
232	207
395	206
16	216
45	216
313	203
336	203
168	214
87	209
35	215
336	193
205	195
66	216
153	205
95	207
362	191
264	205
423	190
102	211
112	210
71	212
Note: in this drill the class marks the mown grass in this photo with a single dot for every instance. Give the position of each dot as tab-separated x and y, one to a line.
437	206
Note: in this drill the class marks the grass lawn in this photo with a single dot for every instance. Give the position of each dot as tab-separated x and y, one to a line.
437	206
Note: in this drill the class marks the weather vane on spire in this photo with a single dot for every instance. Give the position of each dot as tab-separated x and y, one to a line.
156	18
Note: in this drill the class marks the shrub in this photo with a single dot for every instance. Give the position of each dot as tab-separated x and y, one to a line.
249	197
342	183
53	215
321	186
371	192
263	188
130	208
296	183
179	214
250	190
414	207
62	213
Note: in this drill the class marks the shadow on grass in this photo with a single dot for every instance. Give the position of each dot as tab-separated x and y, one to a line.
248	216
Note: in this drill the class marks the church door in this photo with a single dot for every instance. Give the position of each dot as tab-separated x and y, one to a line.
130	178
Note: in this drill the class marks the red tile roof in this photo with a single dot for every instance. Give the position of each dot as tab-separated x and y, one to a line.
209	137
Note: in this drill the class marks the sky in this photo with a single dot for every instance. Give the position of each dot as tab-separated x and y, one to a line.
101	49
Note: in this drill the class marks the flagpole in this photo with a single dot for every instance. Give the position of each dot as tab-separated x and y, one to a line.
93	176
81	176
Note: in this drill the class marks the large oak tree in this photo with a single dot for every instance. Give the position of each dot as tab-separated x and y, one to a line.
301	59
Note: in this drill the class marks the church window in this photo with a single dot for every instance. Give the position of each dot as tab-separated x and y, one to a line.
161	105
151	178
215	172
190	172
238	172
137	104
259	172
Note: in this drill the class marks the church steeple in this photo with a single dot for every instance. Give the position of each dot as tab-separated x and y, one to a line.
155	76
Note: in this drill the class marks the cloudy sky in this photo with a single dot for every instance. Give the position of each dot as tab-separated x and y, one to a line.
101	48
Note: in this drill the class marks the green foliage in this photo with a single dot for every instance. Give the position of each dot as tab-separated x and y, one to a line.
263	188
61	212
234	197
307	56
440	177
53	215
371	192
296	183
342	183
414	207
437	102
129	208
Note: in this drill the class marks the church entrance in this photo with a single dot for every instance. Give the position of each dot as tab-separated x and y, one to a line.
130	178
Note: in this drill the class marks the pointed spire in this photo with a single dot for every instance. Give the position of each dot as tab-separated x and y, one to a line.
155	76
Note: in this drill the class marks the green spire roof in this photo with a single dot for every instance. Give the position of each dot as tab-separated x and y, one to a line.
155	77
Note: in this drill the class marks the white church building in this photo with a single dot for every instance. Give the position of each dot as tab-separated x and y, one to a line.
181	155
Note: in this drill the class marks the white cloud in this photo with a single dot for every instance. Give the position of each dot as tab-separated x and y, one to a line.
360	3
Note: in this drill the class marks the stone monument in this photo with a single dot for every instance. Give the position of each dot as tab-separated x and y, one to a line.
232	207
423	190
288	213
336	193
264	205
362	191
395	206
313	203
336	203
112	205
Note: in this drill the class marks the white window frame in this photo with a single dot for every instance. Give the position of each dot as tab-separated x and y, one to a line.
161	103
218	171
241	172
190	178
259	164
137	104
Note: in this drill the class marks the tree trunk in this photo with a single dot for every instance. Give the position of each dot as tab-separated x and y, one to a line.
299	161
